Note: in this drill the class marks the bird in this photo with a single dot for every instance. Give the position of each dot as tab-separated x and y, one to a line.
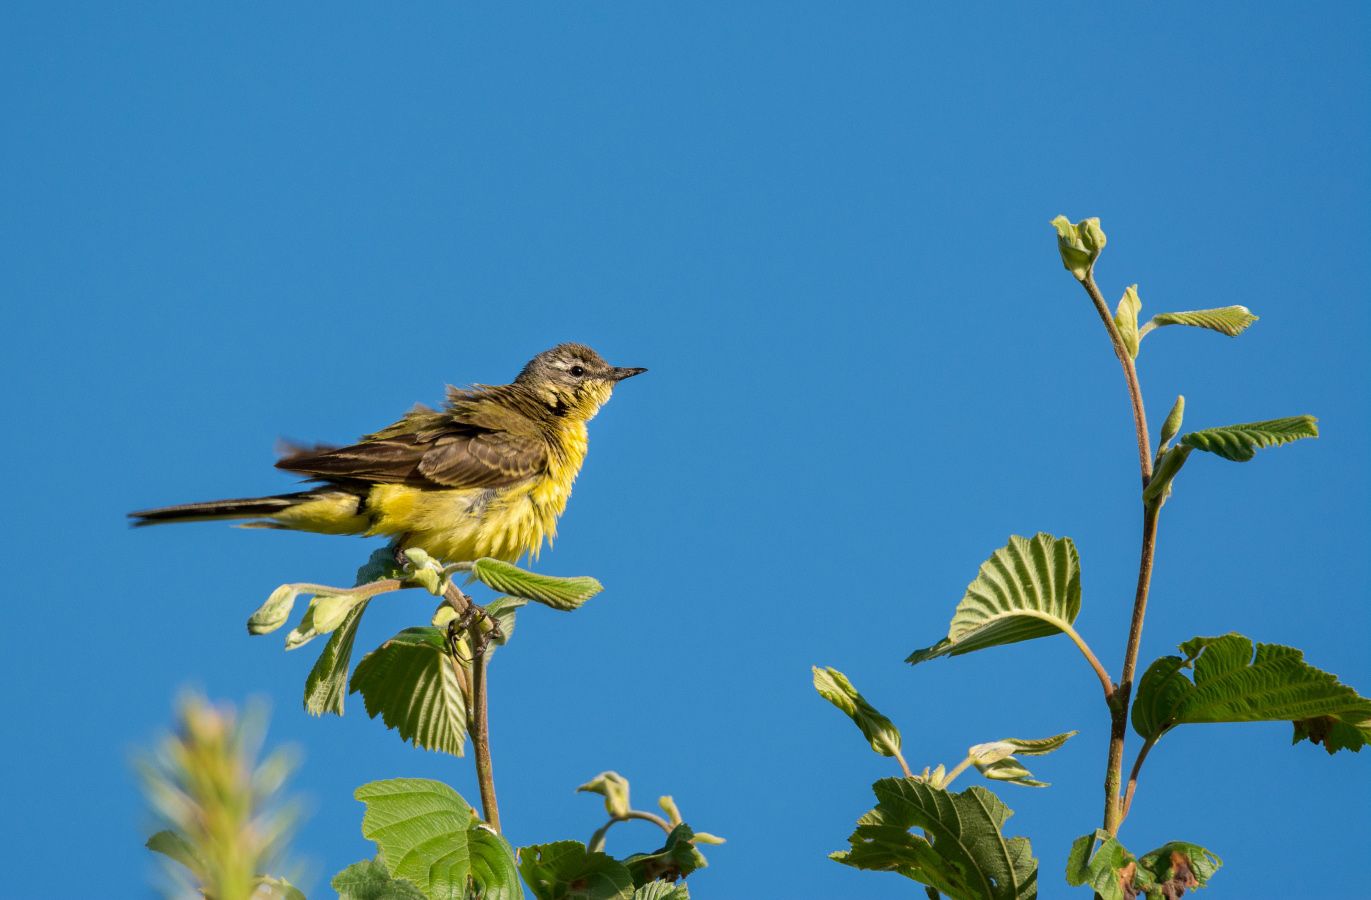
486	476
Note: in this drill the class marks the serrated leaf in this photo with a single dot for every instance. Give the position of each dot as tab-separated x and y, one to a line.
676	859
1126	319
327	682
1241	442
1101	869
409	681
558	593
1229	320
274	613
370	880
996	759
566	870
1029	588
430	836
614	788
965	855
662	890
1230	684
1178	865
834	687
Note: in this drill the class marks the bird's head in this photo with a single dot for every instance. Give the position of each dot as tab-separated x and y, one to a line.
573	378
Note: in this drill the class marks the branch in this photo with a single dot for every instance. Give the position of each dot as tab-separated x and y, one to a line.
1092	660
480	715
597	840
1133	778
1130	374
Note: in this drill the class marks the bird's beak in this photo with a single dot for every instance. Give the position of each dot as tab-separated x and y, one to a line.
619	373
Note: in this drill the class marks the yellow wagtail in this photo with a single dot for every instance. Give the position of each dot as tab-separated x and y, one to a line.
486	476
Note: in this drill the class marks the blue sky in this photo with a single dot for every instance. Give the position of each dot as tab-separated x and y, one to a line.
824	230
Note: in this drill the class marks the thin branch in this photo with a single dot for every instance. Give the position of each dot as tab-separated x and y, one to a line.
1130	374
899	757
597	840
1092	660
1133	777
479	712
958	769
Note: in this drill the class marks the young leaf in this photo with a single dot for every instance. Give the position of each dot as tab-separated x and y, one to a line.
614	788
1126	318
965	855
174	846
558	593
1231	685
502	610
551	870
430	836
996	759
1029	588
409	681
834	687
1241	442
268	887
1105	870
1229	320
662	890
1175	867
369	880
274	613
1079	244
677	859
325	613
327	681
1172	426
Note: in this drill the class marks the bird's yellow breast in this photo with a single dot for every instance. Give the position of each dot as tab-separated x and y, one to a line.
469	523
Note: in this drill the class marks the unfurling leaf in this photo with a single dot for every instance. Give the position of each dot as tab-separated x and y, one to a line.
274	613
558	593
370	880
663	890
1232	685
410	682
1168	467
677	859
1114	874
1229	320
614	788
325	613
965	853
430	836
551	870
996	759
834	687
1080	244
1029	588
327	682
1126	319
1241	442
1172	426
1109	870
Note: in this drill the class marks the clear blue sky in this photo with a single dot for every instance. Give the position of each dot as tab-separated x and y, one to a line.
825	230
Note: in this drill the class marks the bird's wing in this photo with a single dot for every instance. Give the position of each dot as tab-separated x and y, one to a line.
429	449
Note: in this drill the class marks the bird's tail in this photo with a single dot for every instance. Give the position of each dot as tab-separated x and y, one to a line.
246	508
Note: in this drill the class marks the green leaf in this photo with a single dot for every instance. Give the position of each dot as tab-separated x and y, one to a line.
271	888
662	890
1169	465
409	681
1232	685
965	855
1126	318
1079	244
1241	442
614	788
677	859
430	836
327	682
1101	869
174	846
1172	426
1175	866
325	613
566	870
1229	320
1028	589
370	880
558	593
996	759
834	687
502	610
274	613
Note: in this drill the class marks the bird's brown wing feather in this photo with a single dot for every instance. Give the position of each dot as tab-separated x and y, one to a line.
429	449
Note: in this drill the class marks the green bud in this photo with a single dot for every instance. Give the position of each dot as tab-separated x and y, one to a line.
1080	244
274	613
992	752
1159	487
330	610
1126	319
704	837
668	805
834	687
614	788
1172	426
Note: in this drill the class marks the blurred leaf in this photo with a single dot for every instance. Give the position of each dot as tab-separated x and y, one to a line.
327	681
1231	685
172	845
1229	320
370	880
662	890
1029	588
1103	870
275	612
1079	244
1241	442
1126	318
558	593
834	687
430	836
676	859
965	856
409	681
566	870
614	788
271	888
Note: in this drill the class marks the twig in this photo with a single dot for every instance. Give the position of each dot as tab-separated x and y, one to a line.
1133	777
597	840
480	716
1092	660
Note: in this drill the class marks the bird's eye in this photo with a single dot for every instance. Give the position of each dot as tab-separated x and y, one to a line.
577	371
